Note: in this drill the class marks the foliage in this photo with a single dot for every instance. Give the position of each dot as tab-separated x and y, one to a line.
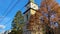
47	15
49	9
18	23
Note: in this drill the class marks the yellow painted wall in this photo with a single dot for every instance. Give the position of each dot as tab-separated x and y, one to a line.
32	12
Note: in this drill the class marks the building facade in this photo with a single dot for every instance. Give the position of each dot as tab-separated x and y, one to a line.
31	9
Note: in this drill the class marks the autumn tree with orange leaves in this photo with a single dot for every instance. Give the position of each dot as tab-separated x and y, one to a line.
47	16
49	9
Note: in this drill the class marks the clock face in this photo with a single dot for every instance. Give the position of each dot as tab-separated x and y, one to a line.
32	5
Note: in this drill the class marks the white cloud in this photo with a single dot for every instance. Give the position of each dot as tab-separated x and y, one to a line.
2	26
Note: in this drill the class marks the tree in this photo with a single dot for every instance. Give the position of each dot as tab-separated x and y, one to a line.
35	24
18	23
49	9
47	15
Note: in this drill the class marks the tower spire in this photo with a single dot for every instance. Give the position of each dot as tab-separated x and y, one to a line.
31	0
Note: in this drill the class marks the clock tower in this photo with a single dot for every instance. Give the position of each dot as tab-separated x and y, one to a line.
31	9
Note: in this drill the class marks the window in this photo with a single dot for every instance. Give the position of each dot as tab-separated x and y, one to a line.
27	16
34	6
27	7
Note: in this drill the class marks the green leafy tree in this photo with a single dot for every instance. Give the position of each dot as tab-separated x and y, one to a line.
18	23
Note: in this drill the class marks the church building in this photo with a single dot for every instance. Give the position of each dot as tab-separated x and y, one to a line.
31	9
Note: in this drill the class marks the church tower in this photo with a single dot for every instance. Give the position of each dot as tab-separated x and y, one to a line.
31	9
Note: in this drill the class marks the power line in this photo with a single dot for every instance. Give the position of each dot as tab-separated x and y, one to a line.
10	9
12	18
8	6
8	21
7	9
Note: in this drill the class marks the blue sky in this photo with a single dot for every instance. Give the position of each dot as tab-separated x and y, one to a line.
8	9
